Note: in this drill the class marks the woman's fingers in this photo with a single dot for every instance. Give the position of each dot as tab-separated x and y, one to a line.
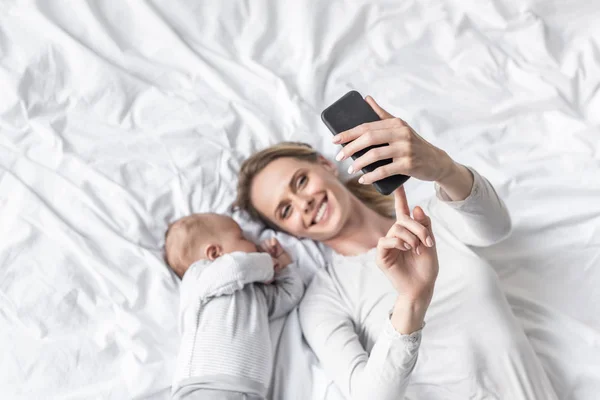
370	138
380	111
415	228
397	167
387	243
400	203
357	131
406	236
419	215
371	156
422	218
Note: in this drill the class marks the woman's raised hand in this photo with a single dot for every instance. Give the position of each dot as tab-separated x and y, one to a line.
408	256
411	154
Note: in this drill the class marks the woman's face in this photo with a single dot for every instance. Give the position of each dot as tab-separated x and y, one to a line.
303	198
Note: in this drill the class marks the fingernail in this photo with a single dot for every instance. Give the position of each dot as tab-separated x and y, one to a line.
429	241
418	250
340	156
361	180
350	170
407	246
336	139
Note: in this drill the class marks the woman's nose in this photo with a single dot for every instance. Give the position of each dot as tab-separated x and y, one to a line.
304	203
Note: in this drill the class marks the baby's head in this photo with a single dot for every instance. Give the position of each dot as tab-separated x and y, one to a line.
203	237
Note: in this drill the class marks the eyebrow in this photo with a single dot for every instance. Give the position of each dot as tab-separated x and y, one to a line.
291	185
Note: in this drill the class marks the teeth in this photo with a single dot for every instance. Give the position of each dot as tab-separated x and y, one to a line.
321	212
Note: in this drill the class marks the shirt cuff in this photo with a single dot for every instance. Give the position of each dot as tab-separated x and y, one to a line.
471	198
411	342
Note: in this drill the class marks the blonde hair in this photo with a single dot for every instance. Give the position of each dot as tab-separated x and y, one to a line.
304	152
182	239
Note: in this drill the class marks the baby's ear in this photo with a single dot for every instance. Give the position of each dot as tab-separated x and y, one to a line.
213	251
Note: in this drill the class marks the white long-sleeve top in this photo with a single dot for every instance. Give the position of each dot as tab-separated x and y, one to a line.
224	322
472	345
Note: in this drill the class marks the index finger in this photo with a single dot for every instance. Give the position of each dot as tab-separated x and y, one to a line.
400	202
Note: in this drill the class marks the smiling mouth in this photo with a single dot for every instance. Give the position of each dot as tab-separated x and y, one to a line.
321	211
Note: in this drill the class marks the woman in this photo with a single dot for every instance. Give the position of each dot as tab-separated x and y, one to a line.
365	326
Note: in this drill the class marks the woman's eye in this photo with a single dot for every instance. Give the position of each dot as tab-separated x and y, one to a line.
285	212
302	180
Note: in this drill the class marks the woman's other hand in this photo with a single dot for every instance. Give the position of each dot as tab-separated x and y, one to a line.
412	271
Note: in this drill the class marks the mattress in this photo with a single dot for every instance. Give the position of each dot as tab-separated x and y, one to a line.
117	117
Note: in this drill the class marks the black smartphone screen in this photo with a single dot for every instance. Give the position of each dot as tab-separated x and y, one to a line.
348	112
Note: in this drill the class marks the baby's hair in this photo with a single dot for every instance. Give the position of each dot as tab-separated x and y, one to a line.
180	241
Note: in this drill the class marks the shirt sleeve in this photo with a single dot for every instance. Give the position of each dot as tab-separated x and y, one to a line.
383	374
481	219
227	274
284	293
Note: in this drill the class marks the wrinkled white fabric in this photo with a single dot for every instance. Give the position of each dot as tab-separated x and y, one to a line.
118	117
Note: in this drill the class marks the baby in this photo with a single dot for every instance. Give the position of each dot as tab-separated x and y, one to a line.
229	292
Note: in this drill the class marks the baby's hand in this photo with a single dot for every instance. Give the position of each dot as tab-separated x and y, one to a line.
281	258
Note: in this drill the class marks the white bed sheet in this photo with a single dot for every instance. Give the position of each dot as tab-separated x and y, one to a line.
116	117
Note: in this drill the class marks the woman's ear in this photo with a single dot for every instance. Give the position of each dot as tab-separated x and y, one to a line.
213	251
328	165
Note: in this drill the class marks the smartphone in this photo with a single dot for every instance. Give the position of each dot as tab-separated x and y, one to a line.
348	112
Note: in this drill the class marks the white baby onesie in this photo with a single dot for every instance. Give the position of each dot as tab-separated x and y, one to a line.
224	316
